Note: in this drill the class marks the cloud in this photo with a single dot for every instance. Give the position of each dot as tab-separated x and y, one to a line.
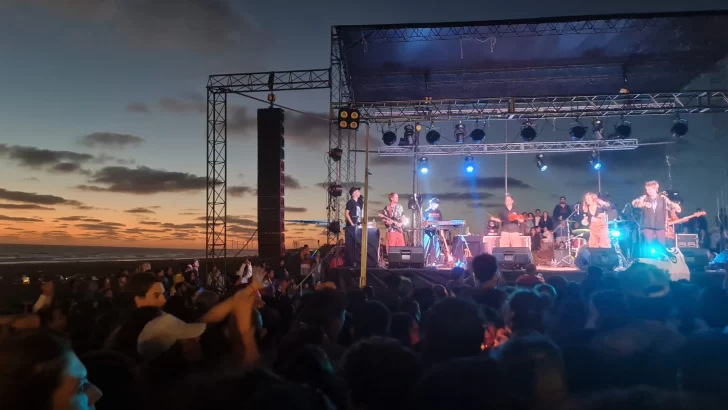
100	226
67	167
201	25
239	190
240	229
143	181
295	210
77	219
150	223
26	207
138	107
291	182
112	140
33	198
231	219
17	219
38	158
454	196
191	104
491	183
139	211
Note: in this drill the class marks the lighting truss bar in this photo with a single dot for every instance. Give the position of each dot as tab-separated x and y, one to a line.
510	148
482	30
543	107
270	81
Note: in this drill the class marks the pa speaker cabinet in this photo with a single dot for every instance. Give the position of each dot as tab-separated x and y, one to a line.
406	257
513	258
686	240
696	258
605	258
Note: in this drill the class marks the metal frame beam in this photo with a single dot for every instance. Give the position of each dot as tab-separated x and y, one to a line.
543	107
510	148
218	87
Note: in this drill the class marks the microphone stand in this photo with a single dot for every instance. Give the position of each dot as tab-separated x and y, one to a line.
568	259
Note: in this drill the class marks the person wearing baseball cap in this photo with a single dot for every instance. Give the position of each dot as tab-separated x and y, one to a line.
353	215
163	332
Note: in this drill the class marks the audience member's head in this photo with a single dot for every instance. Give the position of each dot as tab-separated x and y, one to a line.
372	319
485	271
714	307
526	312
648	291
147	289
559	283
607	310
405	329
118	377
380	373
452	328
325	309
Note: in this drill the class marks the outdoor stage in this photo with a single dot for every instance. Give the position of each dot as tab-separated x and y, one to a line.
348	278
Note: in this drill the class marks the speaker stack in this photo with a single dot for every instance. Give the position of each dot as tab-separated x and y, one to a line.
271	172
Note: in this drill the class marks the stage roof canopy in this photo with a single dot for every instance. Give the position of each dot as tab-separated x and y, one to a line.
574	56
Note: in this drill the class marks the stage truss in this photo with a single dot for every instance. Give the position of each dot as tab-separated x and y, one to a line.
688	102
509	148
218	88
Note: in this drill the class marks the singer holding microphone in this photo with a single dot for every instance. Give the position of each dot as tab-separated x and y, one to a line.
655	207
595	211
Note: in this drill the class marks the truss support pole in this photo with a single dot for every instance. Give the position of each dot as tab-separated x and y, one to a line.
365	219
216	209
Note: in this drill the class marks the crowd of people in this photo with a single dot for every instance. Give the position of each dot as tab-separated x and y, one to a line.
628	341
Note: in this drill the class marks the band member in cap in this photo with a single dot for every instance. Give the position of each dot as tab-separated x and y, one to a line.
433	213
510	220
394	219
353	214
594	211
655	207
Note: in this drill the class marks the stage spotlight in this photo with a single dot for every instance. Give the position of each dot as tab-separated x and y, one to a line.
469	164
335	154
477	135
527	132
349	119
334	227
598	128
594	161
679	129
577	133
409	136
424	165
623	130
335	190
459	133
389	137
432	137
615	234
541	163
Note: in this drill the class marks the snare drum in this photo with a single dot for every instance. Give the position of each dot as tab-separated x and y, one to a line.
577	243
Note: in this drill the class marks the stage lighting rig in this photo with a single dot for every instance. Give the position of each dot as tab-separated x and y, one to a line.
577	132
335	190
469	164
477	134
594	160
349	119
623	130
389	137
409	136
459	133
527	132
424	165
335	154
541	163
598	128
334	227
432	137
679	128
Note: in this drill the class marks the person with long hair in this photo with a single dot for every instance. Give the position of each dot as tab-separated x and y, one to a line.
594	211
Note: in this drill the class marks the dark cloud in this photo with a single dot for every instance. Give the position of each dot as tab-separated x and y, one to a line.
139	231
112	140
139	211
202	25
33	198
291	182
454	196
77	219
18	219
184	227
239	190
347	185
240	229
26	207
491	183
305	130
293	209
138	107
142	181
67	167
188	213
38	158
237	220
150	223
100	226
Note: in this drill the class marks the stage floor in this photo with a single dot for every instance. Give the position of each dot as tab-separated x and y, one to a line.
348	278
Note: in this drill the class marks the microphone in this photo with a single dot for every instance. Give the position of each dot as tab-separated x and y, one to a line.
626	207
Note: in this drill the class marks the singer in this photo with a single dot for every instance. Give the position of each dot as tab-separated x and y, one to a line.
655	207
595	217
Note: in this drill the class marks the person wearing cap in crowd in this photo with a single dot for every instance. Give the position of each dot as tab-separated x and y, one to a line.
432	213
353	215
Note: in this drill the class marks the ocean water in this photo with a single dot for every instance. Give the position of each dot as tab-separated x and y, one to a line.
15	253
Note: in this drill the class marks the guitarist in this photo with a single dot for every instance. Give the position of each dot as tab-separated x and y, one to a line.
510	220
655	208
393	215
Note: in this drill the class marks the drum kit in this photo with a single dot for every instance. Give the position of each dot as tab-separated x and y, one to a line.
579	238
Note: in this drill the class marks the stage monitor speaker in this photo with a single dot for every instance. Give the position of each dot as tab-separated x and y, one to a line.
406	257
696	259
271	174
513	258
475	245
605	258
352	246
686	240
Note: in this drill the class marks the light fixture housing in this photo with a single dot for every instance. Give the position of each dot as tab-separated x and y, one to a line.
577	132
528	133
459	133
432	137
541	163
594	160
424	165
389	137
469	164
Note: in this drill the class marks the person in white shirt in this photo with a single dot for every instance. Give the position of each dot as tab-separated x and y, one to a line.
548	236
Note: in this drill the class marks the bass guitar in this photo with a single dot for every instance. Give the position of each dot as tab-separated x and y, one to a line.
670	225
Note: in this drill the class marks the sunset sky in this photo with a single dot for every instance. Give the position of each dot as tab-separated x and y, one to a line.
102	120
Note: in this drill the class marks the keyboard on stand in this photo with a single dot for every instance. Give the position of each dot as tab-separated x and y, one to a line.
456	223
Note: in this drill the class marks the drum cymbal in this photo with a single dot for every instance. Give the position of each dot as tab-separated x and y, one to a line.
580	231
616	222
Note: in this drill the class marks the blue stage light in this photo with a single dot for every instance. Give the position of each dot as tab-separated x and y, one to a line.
594	160
615	234
424	165
469	164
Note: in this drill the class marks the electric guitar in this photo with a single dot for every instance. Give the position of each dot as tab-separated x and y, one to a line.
670	228
392	222
448	256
